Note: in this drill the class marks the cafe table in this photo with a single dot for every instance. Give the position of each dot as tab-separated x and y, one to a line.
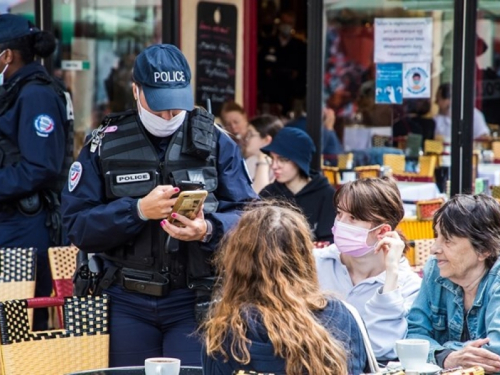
411	192
417	191
135	370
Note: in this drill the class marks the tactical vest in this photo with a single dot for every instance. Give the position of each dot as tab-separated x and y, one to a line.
131	168
9	152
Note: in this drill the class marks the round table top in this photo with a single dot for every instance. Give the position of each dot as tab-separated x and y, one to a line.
135	370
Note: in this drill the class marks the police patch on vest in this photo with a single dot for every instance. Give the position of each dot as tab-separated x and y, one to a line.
127	178
75	173
44	125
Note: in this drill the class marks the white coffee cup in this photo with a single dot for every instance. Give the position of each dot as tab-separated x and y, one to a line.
412	353
162	366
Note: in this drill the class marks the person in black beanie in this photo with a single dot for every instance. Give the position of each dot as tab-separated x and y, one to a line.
291	151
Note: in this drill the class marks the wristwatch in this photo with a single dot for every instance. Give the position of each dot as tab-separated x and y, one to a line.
208	235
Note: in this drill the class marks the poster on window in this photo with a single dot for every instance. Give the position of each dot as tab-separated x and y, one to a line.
403	40
416	80
388	83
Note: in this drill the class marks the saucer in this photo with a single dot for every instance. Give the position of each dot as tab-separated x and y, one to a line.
426	369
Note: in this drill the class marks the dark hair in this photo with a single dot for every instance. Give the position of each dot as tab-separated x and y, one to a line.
266	125
416	75
475	217
418	107
40	43
444	90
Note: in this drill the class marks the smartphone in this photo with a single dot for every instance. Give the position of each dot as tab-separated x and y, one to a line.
189	186
188	204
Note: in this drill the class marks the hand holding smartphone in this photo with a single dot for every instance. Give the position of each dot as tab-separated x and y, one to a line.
189	186
188	204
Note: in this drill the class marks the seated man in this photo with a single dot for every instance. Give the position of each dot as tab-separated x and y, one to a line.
443	118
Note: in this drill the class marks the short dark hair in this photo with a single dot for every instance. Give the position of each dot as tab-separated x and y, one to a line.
444	90
416	75
266	125
475	217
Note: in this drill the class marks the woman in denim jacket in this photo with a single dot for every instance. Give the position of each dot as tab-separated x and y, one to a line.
458	306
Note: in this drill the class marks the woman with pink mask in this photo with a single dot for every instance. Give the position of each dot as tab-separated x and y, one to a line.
291	152
366	265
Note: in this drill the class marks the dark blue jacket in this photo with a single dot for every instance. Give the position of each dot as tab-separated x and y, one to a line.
34	123
96	225
335	317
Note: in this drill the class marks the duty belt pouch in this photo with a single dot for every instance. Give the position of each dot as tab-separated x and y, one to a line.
30	205
144	283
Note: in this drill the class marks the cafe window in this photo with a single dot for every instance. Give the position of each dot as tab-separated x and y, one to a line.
388	73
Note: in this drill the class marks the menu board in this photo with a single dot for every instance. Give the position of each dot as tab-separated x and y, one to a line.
215	54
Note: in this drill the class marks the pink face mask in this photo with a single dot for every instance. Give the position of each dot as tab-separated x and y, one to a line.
351	240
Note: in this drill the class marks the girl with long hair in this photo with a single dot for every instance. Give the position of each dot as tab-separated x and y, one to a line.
269	314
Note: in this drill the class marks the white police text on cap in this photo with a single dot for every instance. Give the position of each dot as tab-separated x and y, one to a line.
174	76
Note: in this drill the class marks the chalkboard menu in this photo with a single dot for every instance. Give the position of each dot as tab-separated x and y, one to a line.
215	54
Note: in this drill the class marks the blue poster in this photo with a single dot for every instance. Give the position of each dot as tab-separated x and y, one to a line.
389	83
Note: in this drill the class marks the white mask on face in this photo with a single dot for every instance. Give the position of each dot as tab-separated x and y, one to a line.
156	125
2	79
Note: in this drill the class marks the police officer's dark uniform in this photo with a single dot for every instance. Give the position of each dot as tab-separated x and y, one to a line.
152	277
34	141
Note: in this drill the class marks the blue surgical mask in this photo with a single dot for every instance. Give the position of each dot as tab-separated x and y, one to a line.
2	76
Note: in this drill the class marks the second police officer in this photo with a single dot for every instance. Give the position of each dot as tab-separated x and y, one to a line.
123	186
36	117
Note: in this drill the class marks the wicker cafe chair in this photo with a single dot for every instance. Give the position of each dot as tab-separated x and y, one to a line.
414	229
62	261
396	162
422	252
367	171
345	161
495	147
82	345
433	146
332	174
17	273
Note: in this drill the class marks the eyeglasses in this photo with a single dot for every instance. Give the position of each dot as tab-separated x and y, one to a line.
280	161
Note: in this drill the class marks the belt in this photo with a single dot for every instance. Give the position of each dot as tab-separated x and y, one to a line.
151	283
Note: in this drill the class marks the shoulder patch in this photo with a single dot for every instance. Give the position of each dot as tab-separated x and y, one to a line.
74	175
44	125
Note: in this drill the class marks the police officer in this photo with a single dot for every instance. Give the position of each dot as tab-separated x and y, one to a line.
121	189
34	140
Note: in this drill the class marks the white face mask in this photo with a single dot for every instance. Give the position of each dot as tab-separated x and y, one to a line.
2	79
156	125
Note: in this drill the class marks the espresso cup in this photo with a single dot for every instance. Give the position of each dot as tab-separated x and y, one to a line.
162	366
412	353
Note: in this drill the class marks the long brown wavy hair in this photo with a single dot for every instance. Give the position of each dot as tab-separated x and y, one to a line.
266	265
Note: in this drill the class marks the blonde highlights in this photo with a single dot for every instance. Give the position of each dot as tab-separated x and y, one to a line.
268	272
